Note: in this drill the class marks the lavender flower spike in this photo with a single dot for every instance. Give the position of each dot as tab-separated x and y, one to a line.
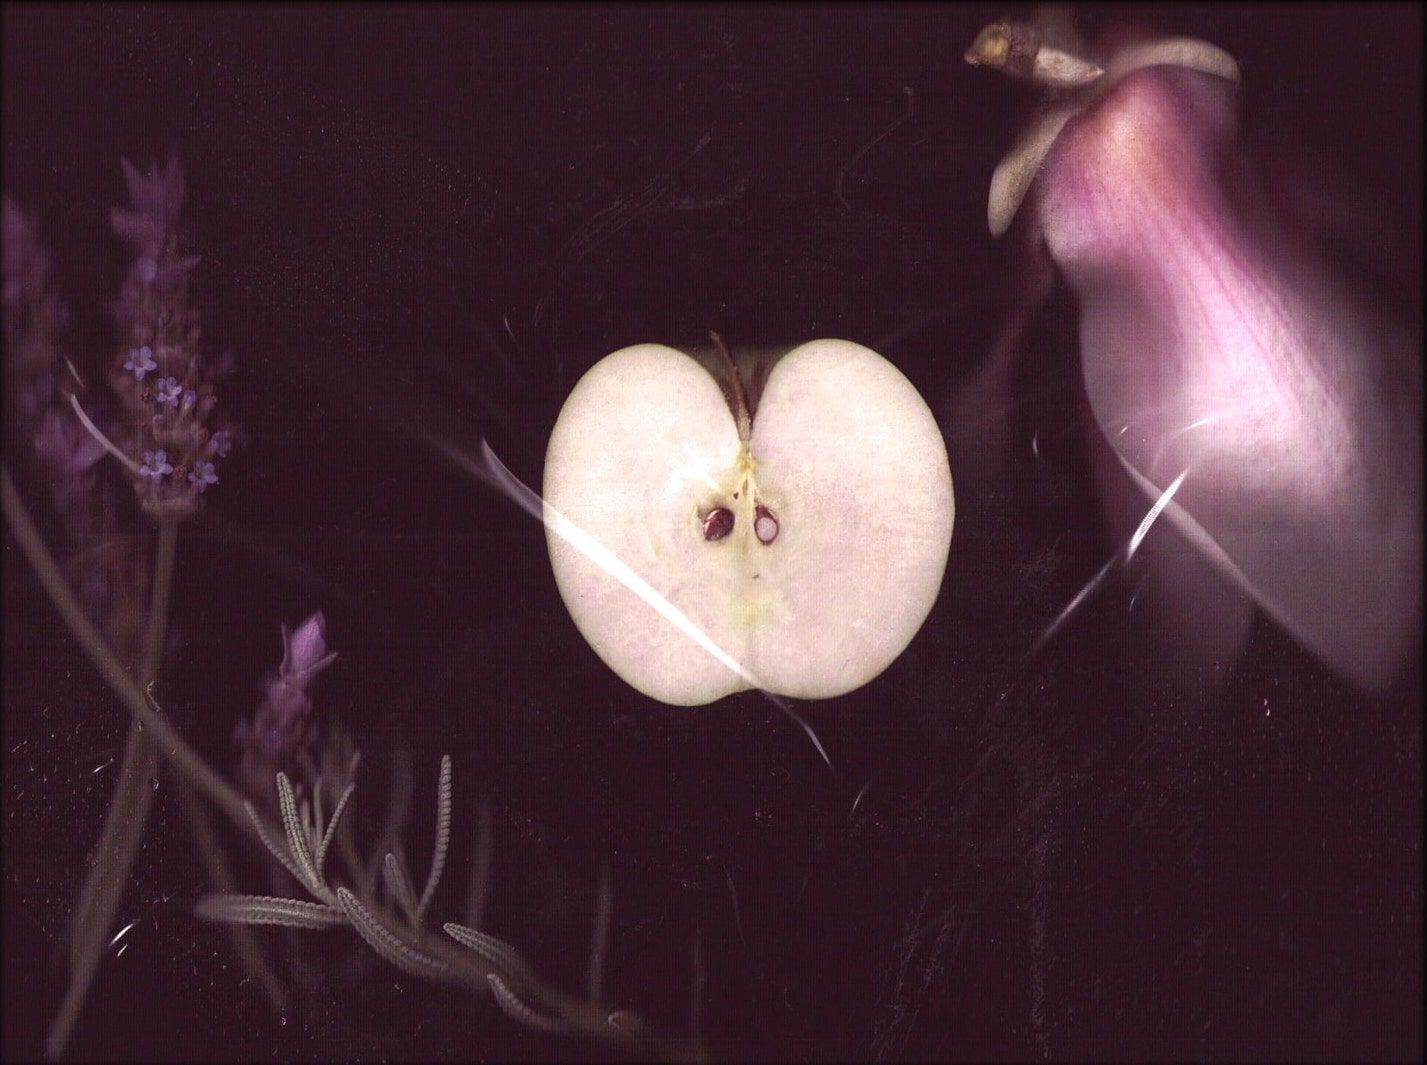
283	725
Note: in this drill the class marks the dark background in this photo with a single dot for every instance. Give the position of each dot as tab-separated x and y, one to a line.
439	217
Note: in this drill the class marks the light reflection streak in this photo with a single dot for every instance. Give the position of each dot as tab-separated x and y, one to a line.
490	470
1120	557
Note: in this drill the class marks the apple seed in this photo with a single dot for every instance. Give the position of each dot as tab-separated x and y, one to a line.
764	524
718	523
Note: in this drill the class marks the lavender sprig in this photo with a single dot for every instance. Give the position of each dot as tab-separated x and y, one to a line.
160	374
282	730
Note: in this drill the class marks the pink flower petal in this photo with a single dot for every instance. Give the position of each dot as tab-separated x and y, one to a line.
1211	343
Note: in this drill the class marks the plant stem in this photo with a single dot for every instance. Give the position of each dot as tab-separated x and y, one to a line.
128	815
159	737
738	395
183	757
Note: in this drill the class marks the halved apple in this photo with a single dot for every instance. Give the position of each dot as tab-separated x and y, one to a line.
803	541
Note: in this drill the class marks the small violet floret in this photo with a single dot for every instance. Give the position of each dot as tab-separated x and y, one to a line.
141	361
156	465
202	475
168	391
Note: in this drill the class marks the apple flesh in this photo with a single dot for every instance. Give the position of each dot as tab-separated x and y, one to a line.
808	546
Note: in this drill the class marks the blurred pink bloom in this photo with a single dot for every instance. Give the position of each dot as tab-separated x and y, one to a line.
1214	342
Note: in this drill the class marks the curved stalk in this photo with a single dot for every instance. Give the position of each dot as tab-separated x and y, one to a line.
127	818
183	757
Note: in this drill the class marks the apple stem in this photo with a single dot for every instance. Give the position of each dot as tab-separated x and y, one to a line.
739	397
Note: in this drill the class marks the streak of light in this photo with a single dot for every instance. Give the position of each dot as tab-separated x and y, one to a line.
1198	423
737	913
858	800
1120	557
492	471
498	474
1135	598
905	117
1154	513
104	441
1070	608
122	932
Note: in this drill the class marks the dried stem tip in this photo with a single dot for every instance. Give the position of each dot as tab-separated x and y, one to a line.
1016	48
734	390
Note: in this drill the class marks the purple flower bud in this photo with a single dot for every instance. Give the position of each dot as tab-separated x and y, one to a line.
283	726
140	361
1215	346
304	652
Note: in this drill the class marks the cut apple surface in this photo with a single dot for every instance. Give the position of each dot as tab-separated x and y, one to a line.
799	555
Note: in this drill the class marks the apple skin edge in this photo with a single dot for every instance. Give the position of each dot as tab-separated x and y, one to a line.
845	455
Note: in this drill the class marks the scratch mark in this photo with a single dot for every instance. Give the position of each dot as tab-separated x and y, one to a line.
1138	589
1038	945
861	793
696	992
1154	513
905	117
1119	557
737	913
122	932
